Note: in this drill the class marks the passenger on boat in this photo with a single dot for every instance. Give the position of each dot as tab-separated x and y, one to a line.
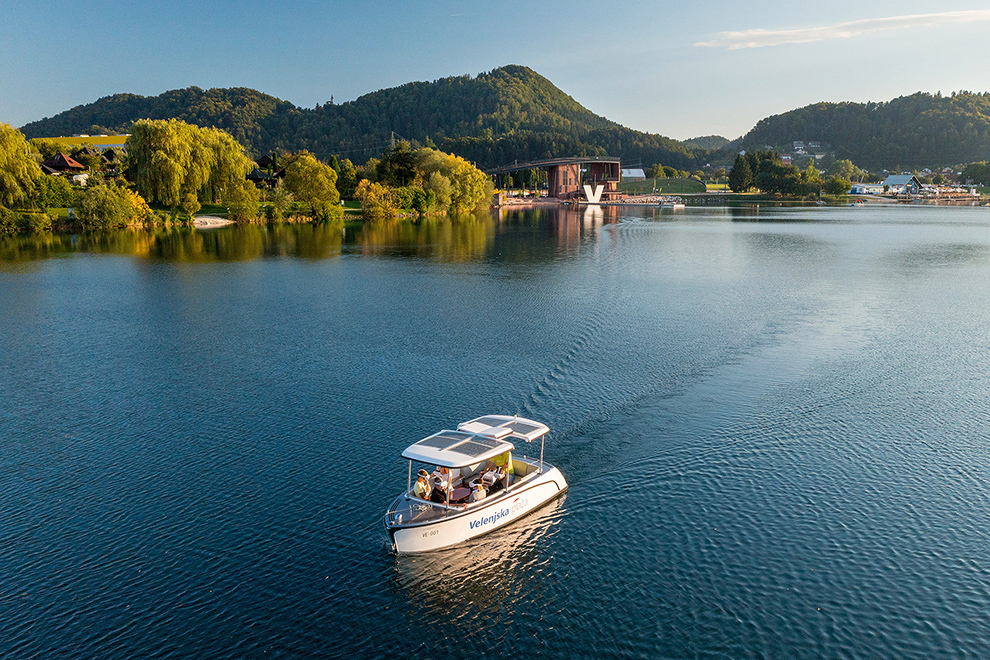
439	491
503	465
478	493
492	481
443	474
422	487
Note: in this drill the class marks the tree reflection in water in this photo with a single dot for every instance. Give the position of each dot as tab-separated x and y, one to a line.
514	235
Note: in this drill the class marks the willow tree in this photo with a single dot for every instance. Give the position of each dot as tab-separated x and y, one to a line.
176	163
19	171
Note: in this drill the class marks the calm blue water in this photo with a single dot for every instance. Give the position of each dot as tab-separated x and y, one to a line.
774	424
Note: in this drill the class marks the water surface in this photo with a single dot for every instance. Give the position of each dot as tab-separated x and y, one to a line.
773	422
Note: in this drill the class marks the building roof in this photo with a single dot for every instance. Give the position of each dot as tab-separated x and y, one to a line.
634	173
550	162
257	175
85	151
901	180
266	161
62	162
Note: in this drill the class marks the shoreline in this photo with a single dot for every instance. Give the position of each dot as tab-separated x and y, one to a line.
210	222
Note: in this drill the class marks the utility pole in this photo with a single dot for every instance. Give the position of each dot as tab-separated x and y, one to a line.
392	141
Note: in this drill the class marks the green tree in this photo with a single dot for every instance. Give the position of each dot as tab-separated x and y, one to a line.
347	179
470	188
19	171
810	181
172	161
105	207
314	183
397	167
741	175
442	189
976	173
377	200
281	202
242	200
835	185
55	192
845	169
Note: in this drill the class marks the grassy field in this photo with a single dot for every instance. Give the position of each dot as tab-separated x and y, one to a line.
106	140
664	186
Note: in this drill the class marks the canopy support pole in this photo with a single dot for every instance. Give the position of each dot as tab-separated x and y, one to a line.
409	478
542	440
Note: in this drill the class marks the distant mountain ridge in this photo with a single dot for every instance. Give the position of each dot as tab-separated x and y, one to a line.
920	130
513	113
510	113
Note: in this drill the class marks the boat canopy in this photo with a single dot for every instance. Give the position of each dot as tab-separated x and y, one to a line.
474	441
524	429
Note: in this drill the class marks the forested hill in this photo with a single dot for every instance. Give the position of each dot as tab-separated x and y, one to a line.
511	113
921	130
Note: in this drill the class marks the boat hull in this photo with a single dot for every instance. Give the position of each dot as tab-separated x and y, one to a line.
480	519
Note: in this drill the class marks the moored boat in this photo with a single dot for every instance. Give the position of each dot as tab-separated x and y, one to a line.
478	485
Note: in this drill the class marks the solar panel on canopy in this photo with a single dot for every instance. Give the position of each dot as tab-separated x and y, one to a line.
490	421
444	440
520	428
471	448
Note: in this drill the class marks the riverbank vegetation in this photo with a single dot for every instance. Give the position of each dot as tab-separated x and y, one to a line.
765	171
421	182
172	170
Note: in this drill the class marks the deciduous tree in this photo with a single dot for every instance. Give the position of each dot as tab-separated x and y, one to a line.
19	171
172	162
314	183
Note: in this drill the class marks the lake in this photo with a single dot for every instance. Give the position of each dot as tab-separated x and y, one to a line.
774	423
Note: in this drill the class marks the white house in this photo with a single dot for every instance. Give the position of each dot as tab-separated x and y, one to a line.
636	174
902	183
866	189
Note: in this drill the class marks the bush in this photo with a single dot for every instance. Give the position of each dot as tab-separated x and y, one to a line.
242	202
377	201
105	207
403	197
8	221
55	192
36	222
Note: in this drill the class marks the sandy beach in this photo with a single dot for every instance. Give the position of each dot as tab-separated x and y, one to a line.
210	221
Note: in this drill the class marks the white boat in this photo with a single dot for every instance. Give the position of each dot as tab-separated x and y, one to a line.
415	524
674	204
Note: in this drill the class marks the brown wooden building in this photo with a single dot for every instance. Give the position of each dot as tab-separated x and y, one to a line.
567	177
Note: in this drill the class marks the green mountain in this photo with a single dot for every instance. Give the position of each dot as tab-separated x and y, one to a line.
920	130
511	113
709	142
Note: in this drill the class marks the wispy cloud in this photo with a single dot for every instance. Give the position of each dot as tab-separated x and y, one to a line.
763	38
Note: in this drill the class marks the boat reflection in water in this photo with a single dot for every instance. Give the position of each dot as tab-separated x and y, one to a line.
485	574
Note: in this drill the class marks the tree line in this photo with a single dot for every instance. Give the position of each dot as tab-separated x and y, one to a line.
178	167
766	171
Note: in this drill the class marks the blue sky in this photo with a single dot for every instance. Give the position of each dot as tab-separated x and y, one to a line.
675	68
